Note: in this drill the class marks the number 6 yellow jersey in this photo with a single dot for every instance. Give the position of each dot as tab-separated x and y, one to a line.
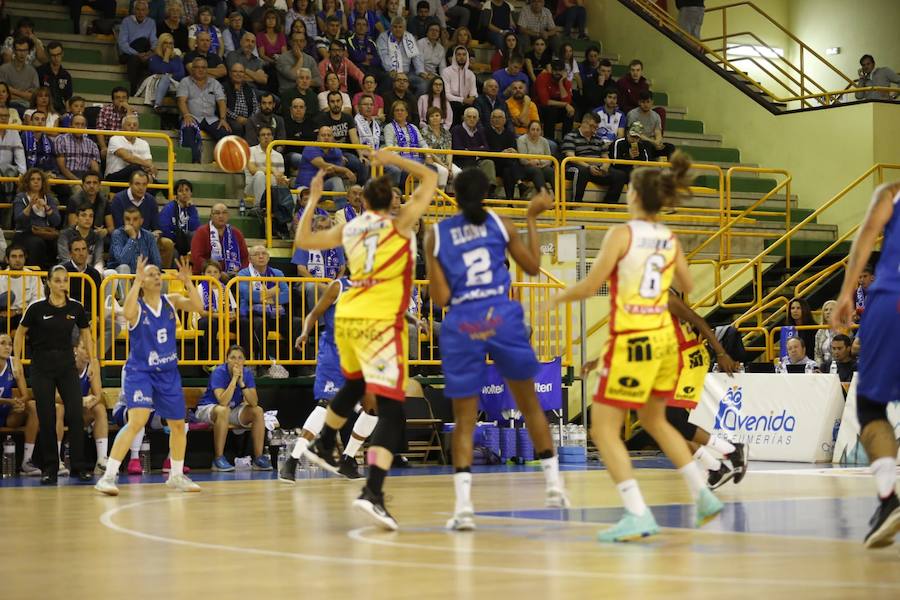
381	263
639	285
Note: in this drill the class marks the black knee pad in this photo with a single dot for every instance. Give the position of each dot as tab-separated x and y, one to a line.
867	411
391	421
345	400
678	418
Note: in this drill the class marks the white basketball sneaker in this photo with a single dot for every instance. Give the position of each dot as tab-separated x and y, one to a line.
181	483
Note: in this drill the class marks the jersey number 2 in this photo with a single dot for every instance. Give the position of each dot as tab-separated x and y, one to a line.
478	267
371	244
651	280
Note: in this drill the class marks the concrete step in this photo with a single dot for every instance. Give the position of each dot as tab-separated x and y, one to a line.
683	126
85	48
680	138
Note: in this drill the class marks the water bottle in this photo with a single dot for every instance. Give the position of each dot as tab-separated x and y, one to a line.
810	367
242	207
778	367
144	456
67	459
715	367
275	447
9	457
833	368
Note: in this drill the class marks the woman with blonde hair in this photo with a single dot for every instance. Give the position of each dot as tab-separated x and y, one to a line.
824	336
166	66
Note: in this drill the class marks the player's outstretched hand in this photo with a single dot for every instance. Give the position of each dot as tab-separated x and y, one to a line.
380	158
539	203
589	366
140	271
315	188
727	365
842	315
301	340
184	269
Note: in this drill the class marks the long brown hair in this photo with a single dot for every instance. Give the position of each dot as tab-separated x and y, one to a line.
45	181
663	188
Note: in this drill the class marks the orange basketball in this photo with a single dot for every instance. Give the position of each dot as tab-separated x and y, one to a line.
232	154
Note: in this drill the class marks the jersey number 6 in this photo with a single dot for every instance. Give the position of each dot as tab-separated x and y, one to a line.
651	280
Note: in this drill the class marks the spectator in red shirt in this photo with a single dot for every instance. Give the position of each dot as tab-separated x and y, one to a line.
220	242
338	63
554	99
630	87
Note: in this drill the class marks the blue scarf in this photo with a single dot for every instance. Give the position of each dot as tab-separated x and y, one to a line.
225	250
258	286
210	297
38	153
402	142
349	213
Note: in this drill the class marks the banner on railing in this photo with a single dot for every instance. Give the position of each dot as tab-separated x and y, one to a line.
781	417
848	449
496	398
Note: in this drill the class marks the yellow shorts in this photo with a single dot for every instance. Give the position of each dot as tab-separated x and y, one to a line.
694	367
637	365
377	351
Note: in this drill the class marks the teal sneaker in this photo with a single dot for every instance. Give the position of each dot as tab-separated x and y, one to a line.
708	507
630	527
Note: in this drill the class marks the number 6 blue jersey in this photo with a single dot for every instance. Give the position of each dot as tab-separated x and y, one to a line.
151	340
473	257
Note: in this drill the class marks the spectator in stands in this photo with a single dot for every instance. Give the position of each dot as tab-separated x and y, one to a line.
437	137
329	264
77	261
331	33
20	77
232	34
263	308
298	127
219	242
538	59
303	11
631	85
201	102
583	142
204	24
38	146
41	100
289	64
332	160
91	195
5	98
75	106
127	154
866	279
267	117
869	76
53	76
631	147
19	290
174	26
538	171
498	24
303	90
191	11
611	120
536	21
597	84
391	9
488	101
522	110
332	9
215	66
166	67
129	241
572	16
231	400
420	18
254	68
469	135
37	218
822	352
271	41
240	100
652	126
25	30
179	219
555	100
799	314
333	85
362	51
461	86
354	206
572	70
111	115
361	12
402	133
215	300
796	355
462	36
368	129
255	174
432	51
436	96
508	47
399	53
840	353
12	157
370	85
400	92
501	138
343	131
512	72
83	229
137	37
690	16
103	8
338	63
136	195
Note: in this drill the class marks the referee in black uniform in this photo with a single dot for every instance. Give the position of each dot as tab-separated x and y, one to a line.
49	324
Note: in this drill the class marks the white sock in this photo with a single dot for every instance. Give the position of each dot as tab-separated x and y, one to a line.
550	467
29	451
706	459
301	445
885	472
694	478
363	428
177	468
101	449
631	497
136	444
59	450
316	420
112	468
723	446
462	483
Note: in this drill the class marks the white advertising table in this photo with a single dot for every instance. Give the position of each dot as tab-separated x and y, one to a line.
781	417
847	448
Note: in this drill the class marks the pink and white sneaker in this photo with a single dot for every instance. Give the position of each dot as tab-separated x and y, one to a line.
134	467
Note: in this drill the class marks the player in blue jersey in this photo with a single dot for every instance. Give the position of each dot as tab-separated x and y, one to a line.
94	404
329	379
466	257
879	330
19	409
150	379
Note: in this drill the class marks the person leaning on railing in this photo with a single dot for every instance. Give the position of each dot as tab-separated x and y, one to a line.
870	76
37	217
538	171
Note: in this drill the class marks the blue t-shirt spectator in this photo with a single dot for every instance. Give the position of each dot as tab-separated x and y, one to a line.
307	170
320	263
172	218
219	380
504	79
245	293
130	30
148	207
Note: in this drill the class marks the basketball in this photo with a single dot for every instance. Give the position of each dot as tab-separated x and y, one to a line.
232	154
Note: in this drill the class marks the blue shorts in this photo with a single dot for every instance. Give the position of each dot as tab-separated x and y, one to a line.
473	330
329	377
879	330
156	390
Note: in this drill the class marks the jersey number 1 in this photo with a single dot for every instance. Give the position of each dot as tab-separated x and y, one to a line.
371	244
651	280
478	267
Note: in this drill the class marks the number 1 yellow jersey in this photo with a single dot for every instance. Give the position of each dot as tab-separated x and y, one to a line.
639	285
381	263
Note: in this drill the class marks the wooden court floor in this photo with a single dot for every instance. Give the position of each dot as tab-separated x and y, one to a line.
790	534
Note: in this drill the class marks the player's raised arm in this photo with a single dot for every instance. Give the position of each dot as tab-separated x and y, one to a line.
438	287
421	198
528	254
614	246
131	309
306	238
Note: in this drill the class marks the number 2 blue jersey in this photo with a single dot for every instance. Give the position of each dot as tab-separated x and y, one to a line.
473	257
887	272
152	338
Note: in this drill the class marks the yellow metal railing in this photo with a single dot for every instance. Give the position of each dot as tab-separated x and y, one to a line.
802	91
749	333
784	185
170	155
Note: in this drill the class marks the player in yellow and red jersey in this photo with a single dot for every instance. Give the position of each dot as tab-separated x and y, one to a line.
641	362
369	326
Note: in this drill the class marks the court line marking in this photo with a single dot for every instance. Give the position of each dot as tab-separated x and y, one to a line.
106	519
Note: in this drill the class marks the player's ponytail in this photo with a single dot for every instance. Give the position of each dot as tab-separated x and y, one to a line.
471	185
663	188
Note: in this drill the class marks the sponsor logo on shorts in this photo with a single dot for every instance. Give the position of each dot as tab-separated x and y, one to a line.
640	349
140	398
484	329
330	388
688	390
155	360
695	359
629	382
492	389
773	428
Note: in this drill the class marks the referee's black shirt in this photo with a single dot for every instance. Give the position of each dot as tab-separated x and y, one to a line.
50	329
